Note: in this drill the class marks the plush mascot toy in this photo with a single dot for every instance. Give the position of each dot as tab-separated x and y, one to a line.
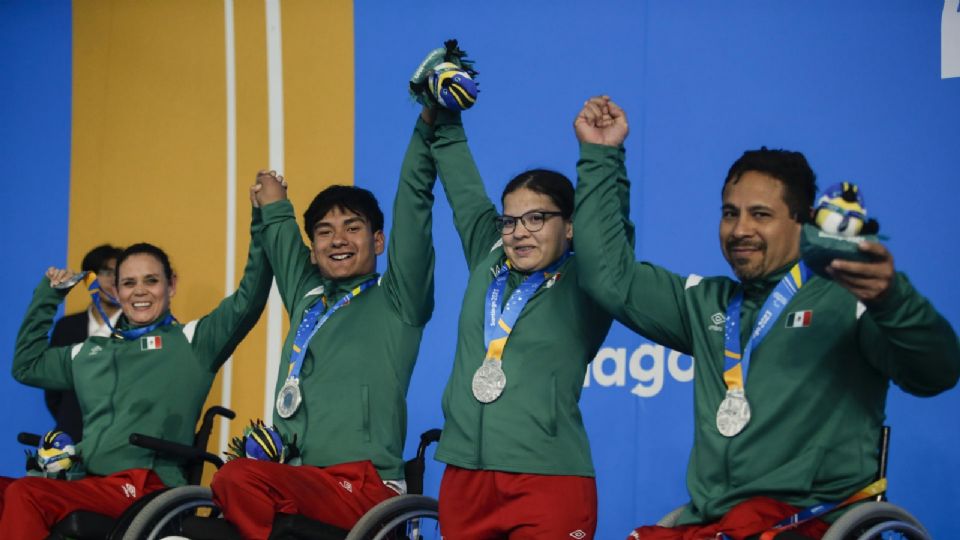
445	78
839	224
56	453
264	443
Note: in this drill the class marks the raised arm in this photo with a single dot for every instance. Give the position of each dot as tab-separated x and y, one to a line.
288	255
646	298
410	256
909	341
218	333
35	362
473	213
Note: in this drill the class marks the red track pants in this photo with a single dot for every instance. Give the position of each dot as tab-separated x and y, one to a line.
31	505
488	505
748	518
252	492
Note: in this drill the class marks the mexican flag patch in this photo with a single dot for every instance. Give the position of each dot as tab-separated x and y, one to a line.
799	319
149	343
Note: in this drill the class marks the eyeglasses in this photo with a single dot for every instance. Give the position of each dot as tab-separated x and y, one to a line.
532	221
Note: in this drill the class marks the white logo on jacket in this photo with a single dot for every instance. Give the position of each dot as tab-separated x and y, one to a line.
346	485
718	319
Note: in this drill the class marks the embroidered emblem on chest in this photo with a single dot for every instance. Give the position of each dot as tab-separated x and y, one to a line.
717	320
95	350
151	343
799	319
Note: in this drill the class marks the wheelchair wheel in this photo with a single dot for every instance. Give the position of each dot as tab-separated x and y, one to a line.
161	516
869	521
404	517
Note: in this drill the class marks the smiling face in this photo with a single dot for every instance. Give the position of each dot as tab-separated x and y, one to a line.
758	232
529	251
143	288
344	246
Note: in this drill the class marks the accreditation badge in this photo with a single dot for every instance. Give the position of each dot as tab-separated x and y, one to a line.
489	381
734	413
289	397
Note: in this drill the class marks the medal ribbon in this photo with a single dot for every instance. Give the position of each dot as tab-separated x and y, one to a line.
818	510
93	287
313	319
92	282
500	322
736	364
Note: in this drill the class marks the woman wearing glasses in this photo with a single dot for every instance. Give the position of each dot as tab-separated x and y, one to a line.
518	459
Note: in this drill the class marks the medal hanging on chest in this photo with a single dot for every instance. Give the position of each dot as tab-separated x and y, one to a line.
734	412
489	381
290	396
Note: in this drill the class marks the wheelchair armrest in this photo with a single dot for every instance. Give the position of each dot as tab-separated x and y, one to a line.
181	452
28	439
426	439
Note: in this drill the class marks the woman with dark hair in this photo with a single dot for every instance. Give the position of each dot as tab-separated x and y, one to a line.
150	376
518	459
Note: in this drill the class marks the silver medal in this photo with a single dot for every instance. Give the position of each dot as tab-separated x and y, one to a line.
733	413
489	381
74	279
288	399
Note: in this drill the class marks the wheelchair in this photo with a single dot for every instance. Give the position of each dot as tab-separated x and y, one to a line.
178	513
89	525
868	520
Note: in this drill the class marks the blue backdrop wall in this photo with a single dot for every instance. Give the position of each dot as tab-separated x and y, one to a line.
856	86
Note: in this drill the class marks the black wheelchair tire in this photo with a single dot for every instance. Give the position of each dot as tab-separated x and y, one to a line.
384	517
862	522
165	507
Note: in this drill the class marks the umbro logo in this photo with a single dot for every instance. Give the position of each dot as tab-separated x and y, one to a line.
717	321
95	350
346	485
578	534
129	491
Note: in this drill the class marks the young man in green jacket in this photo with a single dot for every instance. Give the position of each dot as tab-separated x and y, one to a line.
788	408
344	373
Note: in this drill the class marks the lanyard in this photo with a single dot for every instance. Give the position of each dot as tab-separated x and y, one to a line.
499	322
137	332
736	364
93	287
313	319
818	510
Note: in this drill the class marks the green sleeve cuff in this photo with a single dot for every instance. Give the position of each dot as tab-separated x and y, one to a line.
599	152
276	212
901	292
446	117
425	130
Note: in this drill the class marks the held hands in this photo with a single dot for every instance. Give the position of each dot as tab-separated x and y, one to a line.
270	188
868	281
601	121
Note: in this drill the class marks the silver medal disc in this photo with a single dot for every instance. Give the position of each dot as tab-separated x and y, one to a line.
288	399
489	381
733	413
76	278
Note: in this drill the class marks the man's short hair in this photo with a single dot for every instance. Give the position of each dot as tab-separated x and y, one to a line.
791	168
96	258
347	198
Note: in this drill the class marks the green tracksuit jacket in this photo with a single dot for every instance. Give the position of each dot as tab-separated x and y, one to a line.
357	369
817	392
125	387
535	426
